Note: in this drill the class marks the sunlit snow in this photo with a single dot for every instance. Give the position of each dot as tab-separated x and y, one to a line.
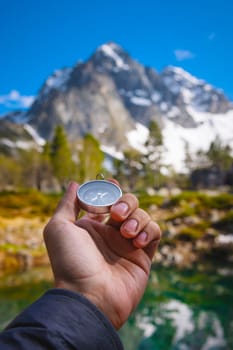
140	101
39	140
18	144
181	75
173	112
109	51
163	106
111	151
57	80
210	127
138	137
156	96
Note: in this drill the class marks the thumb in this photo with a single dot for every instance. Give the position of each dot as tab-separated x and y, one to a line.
68	208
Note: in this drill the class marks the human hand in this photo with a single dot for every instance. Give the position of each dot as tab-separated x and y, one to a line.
106	261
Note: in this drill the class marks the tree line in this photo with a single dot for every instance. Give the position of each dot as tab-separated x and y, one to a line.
53	166
60	161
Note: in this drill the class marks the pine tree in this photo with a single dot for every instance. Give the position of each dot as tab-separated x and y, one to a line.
151	161
30	161
220	155
45	171
128	170
61	157
190	160
90	159
10	174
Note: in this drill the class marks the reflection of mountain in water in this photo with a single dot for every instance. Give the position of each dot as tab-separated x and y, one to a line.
187	329
184	310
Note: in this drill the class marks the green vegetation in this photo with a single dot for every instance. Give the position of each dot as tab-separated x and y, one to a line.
225	223
201	200
32	182
147	201
219	154
189	234
190	223
139	171
61	160
29	203
90	159
151	160
61	157
52	167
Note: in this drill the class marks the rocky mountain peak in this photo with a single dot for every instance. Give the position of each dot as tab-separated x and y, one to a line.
180	76
109	94
194	92
111	57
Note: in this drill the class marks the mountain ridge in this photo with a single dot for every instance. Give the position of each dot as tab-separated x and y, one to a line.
111	94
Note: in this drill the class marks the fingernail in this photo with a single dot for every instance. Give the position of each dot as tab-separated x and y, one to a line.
131	225
121	208
142	237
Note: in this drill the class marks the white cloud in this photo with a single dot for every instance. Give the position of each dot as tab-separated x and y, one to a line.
14	100
182	55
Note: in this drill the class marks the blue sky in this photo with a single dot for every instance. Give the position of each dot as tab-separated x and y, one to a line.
37	38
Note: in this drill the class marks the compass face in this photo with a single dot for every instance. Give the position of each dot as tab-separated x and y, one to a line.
97	196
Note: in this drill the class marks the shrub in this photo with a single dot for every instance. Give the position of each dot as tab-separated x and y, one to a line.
225	223
189	234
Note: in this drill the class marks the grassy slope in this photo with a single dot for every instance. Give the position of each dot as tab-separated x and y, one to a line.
188	217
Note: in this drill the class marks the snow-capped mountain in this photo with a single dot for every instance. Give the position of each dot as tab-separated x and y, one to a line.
114	97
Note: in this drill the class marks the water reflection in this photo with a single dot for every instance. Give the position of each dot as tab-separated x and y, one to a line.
184	310
19	290
181	310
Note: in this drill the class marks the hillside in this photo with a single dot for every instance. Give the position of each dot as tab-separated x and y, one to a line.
197	227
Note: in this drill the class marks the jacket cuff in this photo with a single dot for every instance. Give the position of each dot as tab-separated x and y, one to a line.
72	318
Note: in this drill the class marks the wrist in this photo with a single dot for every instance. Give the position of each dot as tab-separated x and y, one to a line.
100	302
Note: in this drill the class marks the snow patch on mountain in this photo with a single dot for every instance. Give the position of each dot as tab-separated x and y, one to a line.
140	101
25	145
112	152
57	80
210	126
156	97
176	76
138	137
39	140
108	50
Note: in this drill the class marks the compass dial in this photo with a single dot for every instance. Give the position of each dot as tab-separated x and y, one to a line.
97	196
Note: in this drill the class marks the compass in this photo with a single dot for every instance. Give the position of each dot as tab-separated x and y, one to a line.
98	196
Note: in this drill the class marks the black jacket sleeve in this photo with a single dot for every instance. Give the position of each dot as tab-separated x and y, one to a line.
60	320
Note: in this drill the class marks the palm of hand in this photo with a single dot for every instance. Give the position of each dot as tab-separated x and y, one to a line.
105	267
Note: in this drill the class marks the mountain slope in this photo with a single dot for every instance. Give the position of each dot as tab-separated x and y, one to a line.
14	137
114	97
